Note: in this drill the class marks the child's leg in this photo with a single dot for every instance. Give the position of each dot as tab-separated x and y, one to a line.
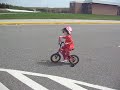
66	53
63	53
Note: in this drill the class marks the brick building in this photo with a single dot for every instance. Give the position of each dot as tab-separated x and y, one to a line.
98	7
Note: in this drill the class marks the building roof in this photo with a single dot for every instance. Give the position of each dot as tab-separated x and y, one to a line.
109	2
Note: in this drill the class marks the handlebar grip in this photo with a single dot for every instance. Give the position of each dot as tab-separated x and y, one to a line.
60	43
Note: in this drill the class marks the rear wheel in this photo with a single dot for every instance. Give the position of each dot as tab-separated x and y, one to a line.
55	58
74	59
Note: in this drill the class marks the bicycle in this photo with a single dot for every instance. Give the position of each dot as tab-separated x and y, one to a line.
56	57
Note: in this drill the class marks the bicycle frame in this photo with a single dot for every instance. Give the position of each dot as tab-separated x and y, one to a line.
60	50
60	44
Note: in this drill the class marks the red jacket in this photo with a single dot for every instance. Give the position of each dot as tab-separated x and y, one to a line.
69	42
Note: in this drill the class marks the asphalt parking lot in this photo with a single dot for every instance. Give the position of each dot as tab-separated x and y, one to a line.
29	47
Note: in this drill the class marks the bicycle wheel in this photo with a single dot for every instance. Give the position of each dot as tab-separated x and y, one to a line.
55	58
74	59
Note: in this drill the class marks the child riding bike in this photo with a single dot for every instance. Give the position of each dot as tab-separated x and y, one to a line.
69	44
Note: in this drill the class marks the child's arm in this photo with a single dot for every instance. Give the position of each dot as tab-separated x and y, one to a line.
60	38
70	41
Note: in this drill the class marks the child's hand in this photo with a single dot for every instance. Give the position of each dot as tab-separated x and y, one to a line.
60	36
66	43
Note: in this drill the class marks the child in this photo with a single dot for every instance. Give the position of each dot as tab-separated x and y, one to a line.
69	45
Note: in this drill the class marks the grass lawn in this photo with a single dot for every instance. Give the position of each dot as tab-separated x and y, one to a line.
56	16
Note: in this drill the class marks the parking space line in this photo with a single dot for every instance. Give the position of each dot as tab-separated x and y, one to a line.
32	84
69	83
3	87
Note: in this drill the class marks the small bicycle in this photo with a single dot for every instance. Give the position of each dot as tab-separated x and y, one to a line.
73	59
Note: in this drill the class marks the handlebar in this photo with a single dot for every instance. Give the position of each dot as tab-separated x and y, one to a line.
60	43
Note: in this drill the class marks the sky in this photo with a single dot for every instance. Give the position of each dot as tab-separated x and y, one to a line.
43	3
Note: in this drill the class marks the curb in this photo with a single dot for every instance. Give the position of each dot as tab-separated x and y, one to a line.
20	23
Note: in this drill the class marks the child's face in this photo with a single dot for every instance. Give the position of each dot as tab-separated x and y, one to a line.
65	33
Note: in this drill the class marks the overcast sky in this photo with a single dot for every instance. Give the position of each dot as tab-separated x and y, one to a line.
43	3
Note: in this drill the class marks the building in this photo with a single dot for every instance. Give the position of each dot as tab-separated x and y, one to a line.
98	7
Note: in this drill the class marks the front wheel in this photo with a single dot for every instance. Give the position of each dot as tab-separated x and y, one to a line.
74	59
55	57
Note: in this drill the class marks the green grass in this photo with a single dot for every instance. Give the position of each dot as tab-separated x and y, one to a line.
57	16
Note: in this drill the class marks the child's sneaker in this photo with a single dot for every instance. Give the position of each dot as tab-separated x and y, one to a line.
64	61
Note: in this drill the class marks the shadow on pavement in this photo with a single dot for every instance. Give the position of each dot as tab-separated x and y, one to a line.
51	64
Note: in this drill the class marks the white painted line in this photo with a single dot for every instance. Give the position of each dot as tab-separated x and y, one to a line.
65	80
118	46
32	84
69	83
2	87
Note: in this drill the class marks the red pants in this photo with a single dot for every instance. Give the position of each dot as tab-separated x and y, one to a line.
65	52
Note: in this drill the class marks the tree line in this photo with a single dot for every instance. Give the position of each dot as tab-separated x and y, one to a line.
8	6
52	10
